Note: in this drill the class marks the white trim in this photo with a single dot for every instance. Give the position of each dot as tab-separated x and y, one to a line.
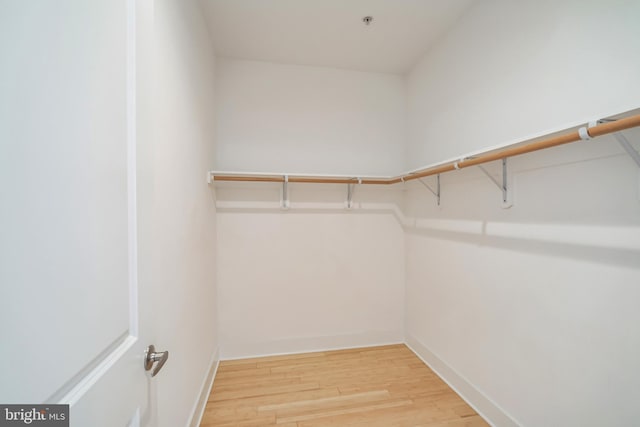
90	379
205	390
480	402
237	349
316	350
131	168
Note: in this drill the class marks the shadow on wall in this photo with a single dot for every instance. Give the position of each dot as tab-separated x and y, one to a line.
626	257
580	201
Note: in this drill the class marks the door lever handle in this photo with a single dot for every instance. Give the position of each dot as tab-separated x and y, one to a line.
152	356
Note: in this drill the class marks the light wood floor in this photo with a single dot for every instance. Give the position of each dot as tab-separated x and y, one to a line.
378	386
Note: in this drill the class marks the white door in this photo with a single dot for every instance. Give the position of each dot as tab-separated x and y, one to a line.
74	316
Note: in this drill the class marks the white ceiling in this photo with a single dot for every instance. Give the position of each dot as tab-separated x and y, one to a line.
331	33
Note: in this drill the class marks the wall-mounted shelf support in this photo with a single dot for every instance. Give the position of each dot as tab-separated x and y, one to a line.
504	188
624	142
592	130
284	196
632	152
435	192
351	188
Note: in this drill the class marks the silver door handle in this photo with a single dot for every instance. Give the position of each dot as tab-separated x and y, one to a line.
152	356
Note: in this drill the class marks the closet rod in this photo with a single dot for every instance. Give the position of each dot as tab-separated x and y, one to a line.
591	132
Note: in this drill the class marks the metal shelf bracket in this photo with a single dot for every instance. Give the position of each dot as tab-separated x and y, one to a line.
624	142
351	188
507	199
284	195
435	192
632	152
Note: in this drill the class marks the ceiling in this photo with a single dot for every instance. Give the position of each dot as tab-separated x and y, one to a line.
330	33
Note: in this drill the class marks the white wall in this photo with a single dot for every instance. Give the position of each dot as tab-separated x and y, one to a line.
511	70
315	277
530	312
534	307
289	118
183	218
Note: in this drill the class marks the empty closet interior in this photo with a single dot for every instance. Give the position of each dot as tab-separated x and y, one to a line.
376	183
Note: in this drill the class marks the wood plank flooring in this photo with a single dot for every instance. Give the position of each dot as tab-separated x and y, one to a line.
384	386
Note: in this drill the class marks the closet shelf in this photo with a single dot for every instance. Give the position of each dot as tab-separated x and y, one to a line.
584	133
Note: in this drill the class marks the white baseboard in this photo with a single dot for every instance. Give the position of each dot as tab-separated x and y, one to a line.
354	347
484	406
205	390
237	349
